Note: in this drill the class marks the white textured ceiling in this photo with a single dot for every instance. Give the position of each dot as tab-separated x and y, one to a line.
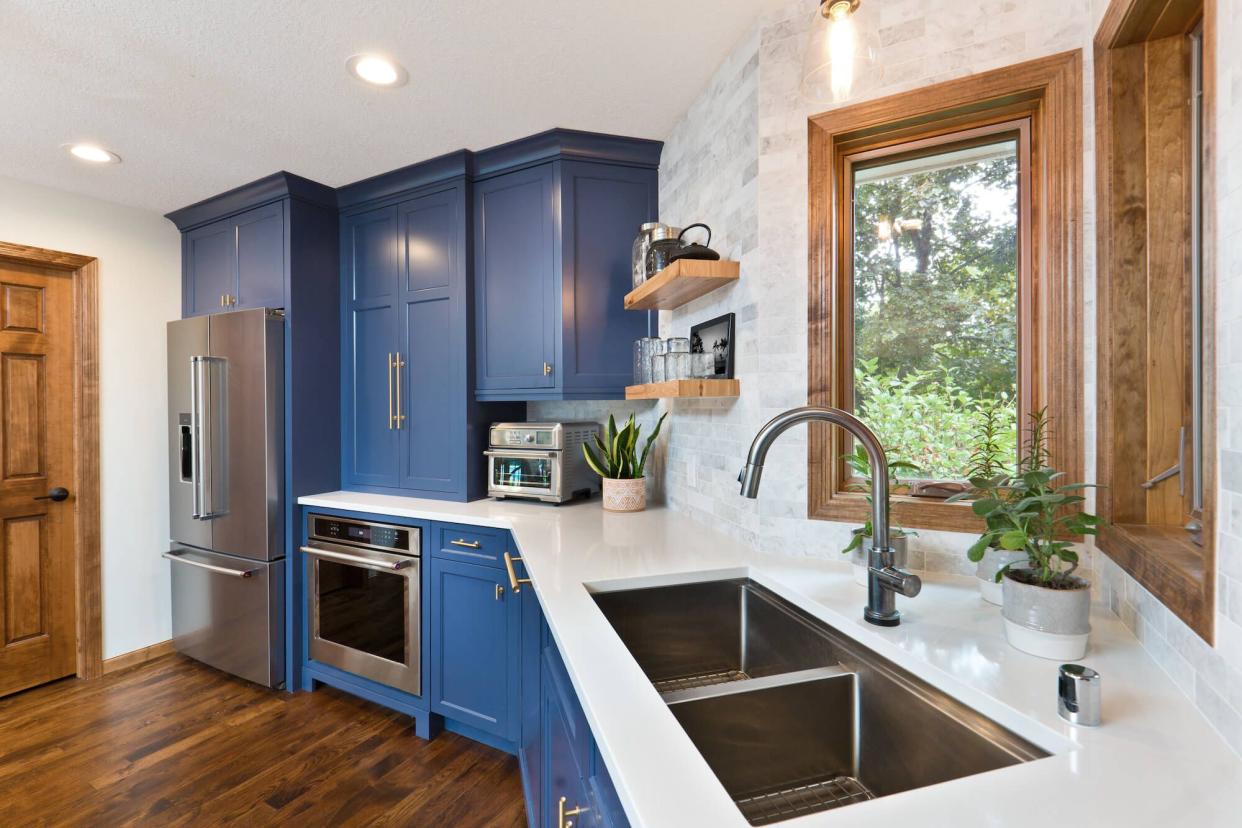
198	97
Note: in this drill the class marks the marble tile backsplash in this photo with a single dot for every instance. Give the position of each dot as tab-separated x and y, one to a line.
737	161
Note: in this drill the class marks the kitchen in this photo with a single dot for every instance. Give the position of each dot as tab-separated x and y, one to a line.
492	666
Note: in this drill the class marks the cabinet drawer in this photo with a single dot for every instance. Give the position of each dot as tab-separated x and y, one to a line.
474	544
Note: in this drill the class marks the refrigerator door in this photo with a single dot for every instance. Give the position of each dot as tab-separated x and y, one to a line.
187	339
244	432
229	612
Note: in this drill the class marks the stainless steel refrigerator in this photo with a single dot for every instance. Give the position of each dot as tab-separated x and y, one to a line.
226	439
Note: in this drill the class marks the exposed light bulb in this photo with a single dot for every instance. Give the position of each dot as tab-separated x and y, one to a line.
842	43
841	48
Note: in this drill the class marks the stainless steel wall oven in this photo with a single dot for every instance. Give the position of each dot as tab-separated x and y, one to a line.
364	580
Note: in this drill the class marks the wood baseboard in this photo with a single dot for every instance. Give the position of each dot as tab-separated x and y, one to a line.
111	665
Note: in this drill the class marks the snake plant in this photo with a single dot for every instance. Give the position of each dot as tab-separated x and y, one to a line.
615	455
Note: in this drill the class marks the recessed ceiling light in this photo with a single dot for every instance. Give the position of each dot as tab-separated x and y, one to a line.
376	70
92	153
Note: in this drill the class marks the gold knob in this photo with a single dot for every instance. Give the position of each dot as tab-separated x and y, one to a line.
500	591
562	813
547	369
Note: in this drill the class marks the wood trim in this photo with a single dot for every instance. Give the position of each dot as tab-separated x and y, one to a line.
87	518
1137	38
1048	93
136	657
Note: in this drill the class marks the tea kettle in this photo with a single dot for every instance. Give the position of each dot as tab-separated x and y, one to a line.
694	250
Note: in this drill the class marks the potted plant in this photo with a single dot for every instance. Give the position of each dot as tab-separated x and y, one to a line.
616	460
1046	606
991	461
859	547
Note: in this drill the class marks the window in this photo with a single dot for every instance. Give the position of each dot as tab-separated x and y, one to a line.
1154	236
944	279
936	279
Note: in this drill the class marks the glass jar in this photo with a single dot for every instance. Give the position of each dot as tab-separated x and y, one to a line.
656	359
703	366
677	345
677	365
664	243
643	350
639	250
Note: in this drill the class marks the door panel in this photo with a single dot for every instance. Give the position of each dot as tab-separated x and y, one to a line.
261	257
429	432
186	338
430	227
476	621
373	451
370	245
210	254
37	600
515	269
247	349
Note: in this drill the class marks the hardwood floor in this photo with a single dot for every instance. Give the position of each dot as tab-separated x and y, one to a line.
173	742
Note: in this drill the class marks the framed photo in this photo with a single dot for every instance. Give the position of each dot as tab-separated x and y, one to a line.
715	336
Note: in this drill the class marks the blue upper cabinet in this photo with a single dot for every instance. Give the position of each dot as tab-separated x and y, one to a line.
554	218
260	258
410	423
236	262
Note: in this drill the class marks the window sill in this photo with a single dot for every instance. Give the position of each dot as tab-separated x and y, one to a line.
1169	565
908	513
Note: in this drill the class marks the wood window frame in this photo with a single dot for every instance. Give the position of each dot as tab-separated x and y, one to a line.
1047	95
1142	167
85	486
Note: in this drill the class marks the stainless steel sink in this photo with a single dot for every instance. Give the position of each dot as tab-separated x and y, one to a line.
792	716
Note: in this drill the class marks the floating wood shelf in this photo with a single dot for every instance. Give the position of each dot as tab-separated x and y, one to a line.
681	282
685	388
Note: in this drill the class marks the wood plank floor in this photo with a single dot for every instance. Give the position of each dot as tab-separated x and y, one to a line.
173	742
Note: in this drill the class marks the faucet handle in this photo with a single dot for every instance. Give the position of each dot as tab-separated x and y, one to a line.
898	580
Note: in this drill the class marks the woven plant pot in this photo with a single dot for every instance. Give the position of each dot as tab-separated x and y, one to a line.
625	495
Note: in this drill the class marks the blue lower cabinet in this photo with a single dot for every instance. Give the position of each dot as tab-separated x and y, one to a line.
476	623
565	792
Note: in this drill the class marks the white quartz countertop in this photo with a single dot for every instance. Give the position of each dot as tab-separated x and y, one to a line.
1153	762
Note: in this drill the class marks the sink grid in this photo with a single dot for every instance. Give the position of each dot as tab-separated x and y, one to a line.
776	806
700	680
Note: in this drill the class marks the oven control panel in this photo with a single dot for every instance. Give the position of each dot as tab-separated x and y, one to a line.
363	533
518	437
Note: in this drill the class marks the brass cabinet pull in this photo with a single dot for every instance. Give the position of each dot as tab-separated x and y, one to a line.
466	543
547	369
514	581
399	365
390	392
561	813
500	591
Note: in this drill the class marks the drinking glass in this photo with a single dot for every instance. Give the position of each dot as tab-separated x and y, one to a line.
703	366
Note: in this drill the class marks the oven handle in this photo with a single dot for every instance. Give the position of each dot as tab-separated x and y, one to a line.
521	453
392	566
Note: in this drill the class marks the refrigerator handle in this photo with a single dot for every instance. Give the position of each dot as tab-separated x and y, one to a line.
204	423
196	427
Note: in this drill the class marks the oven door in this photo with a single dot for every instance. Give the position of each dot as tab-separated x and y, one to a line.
524	472
364	612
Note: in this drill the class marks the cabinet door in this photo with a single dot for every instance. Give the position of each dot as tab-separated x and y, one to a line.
516	301
530	740
433	343
602	208
563	776
370	450
476	624
261	257
210	267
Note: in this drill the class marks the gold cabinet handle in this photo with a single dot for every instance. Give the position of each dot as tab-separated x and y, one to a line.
500	591
390	420
466	543
562	813
547	369
399	415
514	581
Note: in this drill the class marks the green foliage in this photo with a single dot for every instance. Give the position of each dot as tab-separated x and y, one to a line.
926	416
860	465
615	456
1030	511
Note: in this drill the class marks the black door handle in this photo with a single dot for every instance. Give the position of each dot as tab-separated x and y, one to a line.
55	495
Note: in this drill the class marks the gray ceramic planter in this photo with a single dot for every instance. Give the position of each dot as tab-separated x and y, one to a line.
1050	623
991	563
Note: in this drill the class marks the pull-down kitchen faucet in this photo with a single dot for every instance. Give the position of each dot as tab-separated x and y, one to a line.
883	579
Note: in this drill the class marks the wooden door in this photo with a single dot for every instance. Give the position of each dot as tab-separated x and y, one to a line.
37	579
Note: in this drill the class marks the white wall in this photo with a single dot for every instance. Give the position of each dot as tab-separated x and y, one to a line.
139	256
738	161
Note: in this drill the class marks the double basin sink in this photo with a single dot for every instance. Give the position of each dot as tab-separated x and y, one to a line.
792	716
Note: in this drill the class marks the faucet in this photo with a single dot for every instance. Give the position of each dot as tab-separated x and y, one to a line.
884	580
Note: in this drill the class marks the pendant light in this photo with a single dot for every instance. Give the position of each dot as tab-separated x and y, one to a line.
841	50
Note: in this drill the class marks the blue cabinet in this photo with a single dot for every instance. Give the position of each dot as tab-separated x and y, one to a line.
476	626
409	422
554	219
235	262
